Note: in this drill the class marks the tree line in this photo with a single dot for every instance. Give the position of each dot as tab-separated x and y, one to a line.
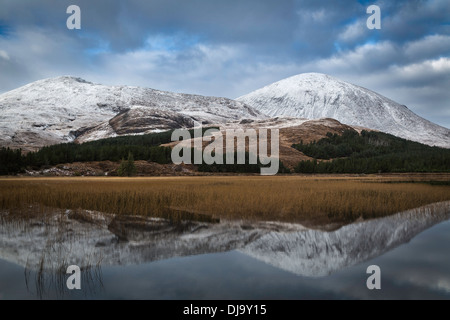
124	148
234	167
370	152
144	147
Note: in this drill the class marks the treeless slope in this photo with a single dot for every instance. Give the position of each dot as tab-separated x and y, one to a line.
291	131
312	130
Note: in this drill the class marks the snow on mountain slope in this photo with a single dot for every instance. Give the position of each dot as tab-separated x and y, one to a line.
59	109
314	96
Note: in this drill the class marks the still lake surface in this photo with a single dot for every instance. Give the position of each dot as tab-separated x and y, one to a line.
231	261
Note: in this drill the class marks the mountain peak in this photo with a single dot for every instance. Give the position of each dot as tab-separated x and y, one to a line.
316	95
309	82
70	78
64	80
311	75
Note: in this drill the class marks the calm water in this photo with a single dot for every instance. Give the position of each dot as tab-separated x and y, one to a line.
414	265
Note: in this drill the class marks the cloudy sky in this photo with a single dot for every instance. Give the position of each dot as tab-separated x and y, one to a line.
231	47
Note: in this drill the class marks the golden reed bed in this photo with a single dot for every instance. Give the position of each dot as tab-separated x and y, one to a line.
311	200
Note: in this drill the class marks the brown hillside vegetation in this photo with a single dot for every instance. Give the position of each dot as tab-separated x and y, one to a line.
310	200
312	130
290	131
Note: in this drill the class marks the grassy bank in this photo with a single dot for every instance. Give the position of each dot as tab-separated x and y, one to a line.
309	200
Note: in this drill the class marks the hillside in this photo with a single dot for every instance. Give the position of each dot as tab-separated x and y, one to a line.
64	109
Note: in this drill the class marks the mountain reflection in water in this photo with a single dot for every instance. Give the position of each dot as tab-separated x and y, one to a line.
91	238
94	240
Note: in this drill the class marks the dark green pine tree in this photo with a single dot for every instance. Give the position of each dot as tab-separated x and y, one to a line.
127	168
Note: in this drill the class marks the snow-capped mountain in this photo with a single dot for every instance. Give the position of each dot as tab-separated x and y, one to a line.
60	109
87	238
66	109
314	96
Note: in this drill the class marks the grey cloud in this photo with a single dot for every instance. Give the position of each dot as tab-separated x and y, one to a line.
354	32
393	71
35	54
126	24
229	48
407	20
319	24
429	47
219	70
303	27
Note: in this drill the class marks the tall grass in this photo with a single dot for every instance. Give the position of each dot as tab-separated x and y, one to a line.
289	198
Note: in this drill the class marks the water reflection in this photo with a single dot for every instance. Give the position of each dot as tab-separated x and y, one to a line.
45	283
317	253
45	246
